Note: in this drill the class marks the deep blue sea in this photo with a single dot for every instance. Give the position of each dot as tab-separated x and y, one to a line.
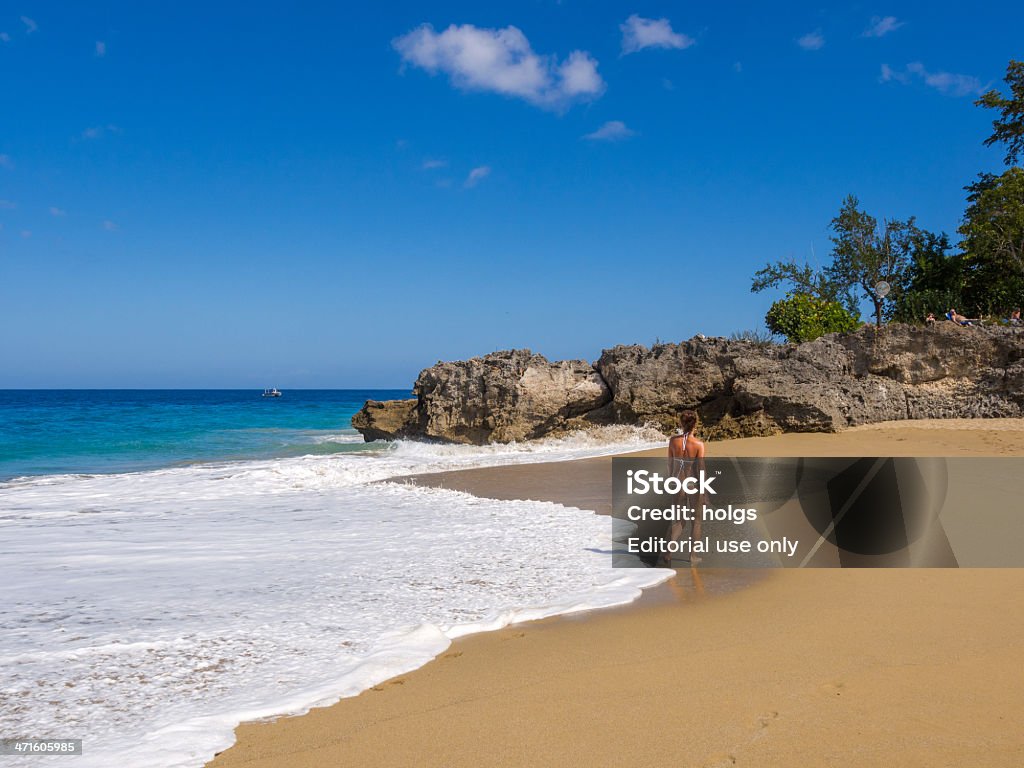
103	431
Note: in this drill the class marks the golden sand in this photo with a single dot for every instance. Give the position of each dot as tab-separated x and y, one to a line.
798	668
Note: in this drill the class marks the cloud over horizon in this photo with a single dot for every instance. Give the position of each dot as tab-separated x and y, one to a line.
501	61
639	33
613	130
949	83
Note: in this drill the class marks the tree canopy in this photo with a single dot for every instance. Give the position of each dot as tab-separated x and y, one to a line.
993	241
864	254
985	278
1008	128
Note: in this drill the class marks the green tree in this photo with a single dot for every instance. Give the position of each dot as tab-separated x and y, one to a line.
803	317
934	281
865	254
1008	128
993	241
801	277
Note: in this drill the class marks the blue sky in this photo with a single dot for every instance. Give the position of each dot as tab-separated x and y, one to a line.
335	195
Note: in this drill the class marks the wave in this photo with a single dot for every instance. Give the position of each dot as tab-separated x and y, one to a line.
164	607
378	461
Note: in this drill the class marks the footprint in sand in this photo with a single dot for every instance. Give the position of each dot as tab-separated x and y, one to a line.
763	722
453	655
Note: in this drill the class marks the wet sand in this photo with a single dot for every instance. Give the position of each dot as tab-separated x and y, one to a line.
815	668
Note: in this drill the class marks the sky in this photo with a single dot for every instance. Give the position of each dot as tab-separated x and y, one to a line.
339	195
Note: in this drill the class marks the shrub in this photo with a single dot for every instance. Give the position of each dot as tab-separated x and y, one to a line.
802	317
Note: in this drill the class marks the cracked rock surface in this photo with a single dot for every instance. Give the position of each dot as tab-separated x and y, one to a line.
739	388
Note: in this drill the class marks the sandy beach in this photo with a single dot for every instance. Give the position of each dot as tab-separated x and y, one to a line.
789	668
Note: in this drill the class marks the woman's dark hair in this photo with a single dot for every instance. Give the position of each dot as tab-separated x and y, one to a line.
688	420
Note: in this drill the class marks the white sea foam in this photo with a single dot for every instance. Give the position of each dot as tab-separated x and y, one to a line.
150	613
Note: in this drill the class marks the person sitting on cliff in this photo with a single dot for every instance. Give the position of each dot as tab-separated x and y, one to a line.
1015	317
686	459
930	319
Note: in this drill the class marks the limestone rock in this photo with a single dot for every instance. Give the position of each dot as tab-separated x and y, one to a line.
505	396
739	388
386	419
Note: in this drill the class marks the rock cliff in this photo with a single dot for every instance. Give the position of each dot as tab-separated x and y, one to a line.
739	388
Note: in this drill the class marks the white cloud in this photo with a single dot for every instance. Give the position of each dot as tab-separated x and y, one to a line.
477	175
101	48
433	164
4	37
99	131
882	25
944	82
6	162
578	76
55	211
889	74
8	205
613	130
110	226
639	33
812	41
30	25
501	60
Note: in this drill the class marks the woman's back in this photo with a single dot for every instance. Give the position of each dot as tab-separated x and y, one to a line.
684	450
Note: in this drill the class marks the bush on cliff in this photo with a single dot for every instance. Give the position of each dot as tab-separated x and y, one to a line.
802	317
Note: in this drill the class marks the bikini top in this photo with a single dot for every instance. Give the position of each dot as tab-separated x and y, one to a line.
683	462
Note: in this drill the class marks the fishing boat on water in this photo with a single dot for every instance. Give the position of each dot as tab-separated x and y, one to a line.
273	392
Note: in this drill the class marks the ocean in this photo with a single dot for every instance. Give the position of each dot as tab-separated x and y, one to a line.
173	563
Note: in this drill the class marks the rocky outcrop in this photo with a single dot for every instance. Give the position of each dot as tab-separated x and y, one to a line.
386	419
740	388
506	396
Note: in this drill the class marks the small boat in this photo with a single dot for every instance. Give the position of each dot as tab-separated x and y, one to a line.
274	392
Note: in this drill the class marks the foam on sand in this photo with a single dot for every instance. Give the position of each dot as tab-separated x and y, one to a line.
150	613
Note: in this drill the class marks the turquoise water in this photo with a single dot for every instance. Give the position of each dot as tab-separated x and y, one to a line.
46	432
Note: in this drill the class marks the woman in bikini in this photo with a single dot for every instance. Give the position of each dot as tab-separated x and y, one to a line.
686	459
